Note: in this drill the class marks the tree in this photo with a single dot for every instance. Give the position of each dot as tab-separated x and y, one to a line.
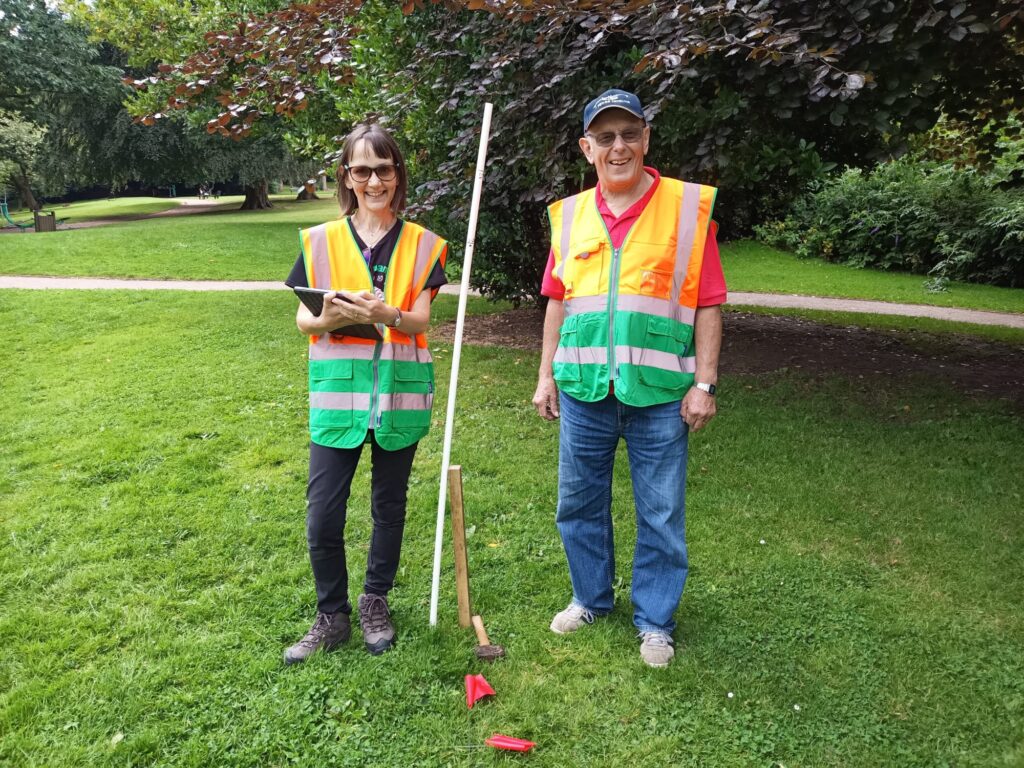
154	30
19	150
756	97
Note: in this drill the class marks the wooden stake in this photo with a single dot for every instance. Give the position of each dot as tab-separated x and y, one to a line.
459	540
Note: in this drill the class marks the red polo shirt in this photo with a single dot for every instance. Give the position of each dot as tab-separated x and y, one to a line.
712	282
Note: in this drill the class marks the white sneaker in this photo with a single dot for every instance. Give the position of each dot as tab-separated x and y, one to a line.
571	619
656	649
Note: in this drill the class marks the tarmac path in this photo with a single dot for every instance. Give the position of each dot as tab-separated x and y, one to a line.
736	298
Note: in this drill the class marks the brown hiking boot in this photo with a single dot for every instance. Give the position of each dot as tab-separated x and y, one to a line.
328	631
375	619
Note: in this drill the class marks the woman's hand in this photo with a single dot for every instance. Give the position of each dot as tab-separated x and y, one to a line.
364	307
336	313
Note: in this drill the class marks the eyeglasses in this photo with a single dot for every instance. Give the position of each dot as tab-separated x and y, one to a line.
607	138
363	173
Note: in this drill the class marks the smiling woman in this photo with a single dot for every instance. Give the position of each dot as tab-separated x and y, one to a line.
375	268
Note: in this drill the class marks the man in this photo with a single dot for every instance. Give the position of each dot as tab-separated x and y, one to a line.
631	341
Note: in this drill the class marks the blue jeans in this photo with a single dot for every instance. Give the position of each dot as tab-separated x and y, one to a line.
656	441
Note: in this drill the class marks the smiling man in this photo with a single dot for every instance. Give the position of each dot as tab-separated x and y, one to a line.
631	341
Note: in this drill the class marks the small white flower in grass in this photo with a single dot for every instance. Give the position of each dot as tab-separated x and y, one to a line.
730	694
762	542
796	707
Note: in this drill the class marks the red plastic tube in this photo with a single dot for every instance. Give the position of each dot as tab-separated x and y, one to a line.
508	742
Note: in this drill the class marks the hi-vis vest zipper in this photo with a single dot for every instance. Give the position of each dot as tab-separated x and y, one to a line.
629	311
356	384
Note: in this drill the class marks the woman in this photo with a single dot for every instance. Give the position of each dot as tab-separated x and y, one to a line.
385	271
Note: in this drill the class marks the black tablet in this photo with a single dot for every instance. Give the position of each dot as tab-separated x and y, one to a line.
313	298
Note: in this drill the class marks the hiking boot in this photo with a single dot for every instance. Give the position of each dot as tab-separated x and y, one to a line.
571	619
375	619
656	649
328	631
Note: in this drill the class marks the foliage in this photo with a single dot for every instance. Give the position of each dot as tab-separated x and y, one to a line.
914	216
46	60
758	98
995	146
19	144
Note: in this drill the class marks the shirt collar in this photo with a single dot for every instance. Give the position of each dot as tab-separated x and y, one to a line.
635	208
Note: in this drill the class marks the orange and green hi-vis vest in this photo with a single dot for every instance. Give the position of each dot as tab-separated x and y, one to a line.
629	311
357	384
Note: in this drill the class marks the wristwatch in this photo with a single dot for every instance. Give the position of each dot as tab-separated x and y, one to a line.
398	319
709	388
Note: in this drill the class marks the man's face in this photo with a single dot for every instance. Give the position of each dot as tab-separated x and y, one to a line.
620	164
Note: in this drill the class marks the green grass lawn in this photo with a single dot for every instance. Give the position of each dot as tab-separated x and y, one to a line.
855	597
751	266
86	210
246	245
232	244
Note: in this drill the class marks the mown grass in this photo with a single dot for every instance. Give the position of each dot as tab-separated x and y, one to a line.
226	244
246	245
87	210
751	266
855	585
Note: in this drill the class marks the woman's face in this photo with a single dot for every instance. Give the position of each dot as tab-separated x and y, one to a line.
373	195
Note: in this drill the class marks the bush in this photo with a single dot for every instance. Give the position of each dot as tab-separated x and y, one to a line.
909	215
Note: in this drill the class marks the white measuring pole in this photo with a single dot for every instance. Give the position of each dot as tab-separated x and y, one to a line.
467	265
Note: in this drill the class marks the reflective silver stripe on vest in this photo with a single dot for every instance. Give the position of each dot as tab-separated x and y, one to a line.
324	349
340	401
406	352
321	260
688	210
649	305
360	401
405	401
568	212
666	361
580	304
582	355
423	251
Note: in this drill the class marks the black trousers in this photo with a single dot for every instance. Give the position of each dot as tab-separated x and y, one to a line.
330	479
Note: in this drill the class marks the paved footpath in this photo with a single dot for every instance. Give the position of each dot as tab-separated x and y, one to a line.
735	298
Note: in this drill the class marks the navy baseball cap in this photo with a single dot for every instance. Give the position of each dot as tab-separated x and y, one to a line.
613	98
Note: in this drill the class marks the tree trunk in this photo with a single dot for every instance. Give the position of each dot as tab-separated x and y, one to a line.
256	198
21	183
308	192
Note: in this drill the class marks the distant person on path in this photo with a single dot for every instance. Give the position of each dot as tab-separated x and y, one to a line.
631	342
383	270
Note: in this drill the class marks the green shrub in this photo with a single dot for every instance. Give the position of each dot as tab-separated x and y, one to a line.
909	215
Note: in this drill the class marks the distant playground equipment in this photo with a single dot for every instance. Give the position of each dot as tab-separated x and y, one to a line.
42	221
8	221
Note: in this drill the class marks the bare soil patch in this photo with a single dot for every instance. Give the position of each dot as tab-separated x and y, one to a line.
755	343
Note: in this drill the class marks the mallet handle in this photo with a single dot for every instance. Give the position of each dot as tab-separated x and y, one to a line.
481	633
459	541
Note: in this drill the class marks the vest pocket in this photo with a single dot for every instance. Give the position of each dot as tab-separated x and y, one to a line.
331	399
661	357
329	370
655	283
407	419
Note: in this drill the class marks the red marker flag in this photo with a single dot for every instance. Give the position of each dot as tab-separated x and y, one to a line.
476	689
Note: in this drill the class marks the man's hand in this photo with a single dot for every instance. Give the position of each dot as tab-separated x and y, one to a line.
545	399
698	408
